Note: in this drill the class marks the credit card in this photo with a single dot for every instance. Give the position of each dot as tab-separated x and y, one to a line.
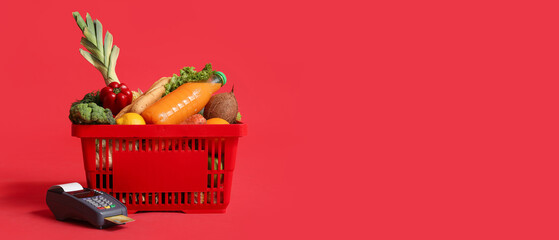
119	219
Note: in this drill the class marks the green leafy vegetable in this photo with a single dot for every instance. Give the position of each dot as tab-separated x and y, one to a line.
188	74
101	57
90	97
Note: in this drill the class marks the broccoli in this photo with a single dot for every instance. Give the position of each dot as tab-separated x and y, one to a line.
90	113
188	74
90	97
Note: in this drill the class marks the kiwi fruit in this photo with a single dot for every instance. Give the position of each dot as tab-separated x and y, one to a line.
223	105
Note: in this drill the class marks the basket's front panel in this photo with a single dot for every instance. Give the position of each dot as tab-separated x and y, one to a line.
164	174
170	171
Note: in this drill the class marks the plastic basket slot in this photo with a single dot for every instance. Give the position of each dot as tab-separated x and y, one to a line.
97	181
217	199
98	154
188	143
123	145
132	198
216	163
104	178
105	150
110	181
101	154
128	145
112	144
220	161
116	145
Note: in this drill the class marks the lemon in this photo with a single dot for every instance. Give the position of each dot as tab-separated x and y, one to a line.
131	119
216	121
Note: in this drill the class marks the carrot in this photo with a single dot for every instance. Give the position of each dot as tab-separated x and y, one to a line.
180	104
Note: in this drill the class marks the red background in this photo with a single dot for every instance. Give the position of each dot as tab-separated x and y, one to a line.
384	120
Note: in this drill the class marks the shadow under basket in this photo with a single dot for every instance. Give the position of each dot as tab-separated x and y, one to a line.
186	168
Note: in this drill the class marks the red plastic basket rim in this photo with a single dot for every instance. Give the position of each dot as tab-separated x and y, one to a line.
139	131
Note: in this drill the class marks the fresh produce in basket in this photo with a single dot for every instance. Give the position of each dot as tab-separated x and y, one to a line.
90	113
216	121
130	119
145	100
116	96
101	56
148	98
170	100
195	119
223	105
187	75
137	94
89	97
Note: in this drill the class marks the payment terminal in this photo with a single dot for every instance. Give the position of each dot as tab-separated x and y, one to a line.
72	201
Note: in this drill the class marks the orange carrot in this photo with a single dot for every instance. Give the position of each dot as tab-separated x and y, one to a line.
183	102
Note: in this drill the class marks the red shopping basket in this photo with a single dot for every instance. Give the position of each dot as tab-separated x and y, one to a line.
185	168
